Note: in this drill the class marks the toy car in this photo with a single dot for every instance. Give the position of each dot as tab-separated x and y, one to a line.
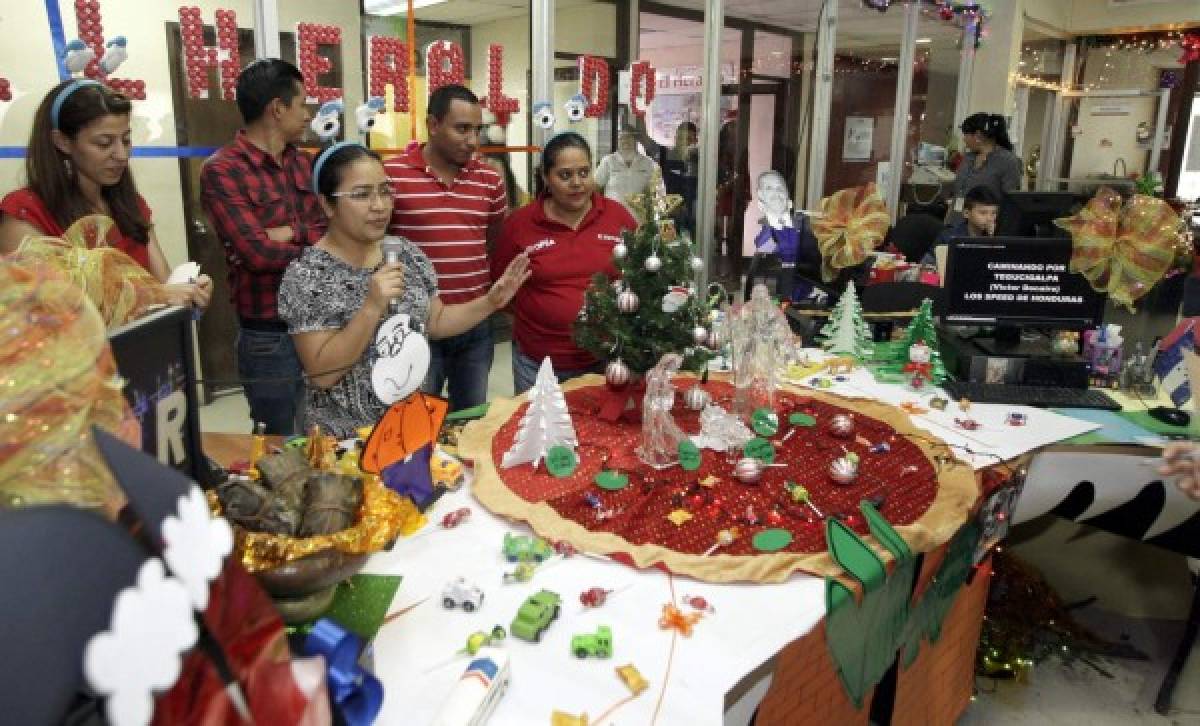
598	644
460	593
535	615
524	548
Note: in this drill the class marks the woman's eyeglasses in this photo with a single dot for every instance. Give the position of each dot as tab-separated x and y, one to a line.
383	192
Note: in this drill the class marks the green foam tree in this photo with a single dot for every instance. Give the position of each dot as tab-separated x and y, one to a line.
920	329
847	333
640	338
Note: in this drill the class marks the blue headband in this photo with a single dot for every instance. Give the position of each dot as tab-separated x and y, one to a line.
64	94
324	156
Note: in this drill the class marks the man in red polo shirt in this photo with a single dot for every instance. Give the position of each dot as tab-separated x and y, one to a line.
258	193
451	203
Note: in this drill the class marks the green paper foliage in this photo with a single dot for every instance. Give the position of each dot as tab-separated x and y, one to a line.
930	612
865	636
641	338
921	328
362	602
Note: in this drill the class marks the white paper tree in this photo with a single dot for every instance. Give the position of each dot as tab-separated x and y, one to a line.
847	333
546	423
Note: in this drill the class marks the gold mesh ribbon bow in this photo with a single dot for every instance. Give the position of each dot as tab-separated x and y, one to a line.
853	224
121	289
1123	249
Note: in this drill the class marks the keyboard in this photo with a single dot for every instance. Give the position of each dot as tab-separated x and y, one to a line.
1042	396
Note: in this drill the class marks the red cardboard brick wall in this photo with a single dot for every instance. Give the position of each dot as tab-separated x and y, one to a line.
935	690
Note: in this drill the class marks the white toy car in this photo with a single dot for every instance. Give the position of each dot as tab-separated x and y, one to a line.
460	593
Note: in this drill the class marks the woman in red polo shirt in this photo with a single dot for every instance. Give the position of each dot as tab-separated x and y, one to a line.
569	231
77	164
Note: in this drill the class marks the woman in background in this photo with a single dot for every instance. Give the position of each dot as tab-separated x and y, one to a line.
77	164
989	161
335	296
568	232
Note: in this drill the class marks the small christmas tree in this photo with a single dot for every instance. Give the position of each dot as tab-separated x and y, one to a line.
921	329
654	308
546	423
847	333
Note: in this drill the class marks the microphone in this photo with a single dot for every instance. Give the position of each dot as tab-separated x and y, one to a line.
392	248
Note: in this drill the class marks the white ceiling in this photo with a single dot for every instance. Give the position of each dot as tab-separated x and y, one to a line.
858	27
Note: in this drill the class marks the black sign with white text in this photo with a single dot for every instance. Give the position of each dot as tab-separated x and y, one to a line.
1016	280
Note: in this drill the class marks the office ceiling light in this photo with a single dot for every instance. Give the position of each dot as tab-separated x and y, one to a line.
395	7
924	40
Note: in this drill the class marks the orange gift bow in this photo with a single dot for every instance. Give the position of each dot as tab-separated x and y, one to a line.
1123	249
121	289
674	619
854	222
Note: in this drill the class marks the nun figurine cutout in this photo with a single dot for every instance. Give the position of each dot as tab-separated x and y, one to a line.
400	447
786	236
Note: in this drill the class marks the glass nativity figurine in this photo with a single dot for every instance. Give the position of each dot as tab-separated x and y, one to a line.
660	434
761	343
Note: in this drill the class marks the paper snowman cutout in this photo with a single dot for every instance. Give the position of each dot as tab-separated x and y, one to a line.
403	359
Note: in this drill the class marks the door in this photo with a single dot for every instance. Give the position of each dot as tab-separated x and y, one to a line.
213	122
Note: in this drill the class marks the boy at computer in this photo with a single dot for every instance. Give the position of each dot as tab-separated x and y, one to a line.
980	207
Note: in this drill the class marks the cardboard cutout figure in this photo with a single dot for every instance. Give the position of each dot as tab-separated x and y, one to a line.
786	236
400	446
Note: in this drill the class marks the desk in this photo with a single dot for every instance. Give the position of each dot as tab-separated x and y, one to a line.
764	644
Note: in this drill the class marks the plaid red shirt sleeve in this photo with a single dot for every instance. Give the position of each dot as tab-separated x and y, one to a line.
243	200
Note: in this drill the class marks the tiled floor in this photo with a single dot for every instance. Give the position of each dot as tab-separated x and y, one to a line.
1142	597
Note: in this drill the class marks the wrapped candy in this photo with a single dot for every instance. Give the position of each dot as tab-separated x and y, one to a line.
59	380
249	504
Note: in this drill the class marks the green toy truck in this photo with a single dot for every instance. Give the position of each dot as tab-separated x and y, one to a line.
598	644
535	615
523	548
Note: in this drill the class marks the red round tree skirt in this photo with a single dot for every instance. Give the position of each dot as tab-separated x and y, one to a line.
925	494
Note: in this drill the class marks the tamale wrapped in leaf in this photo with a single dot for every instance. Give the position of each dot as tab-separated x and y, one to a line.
250	505
286	474
332	503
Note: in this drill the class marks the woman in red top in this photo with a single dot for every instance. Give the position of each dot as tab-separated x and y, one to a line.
77	164
569	231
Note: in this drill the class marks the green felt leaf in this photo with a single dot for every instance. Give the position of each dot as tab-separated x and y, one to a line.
611	480
802	419
930	612
883	531
864	636
772	540
689	455
760	449
362	602
765	422
561	461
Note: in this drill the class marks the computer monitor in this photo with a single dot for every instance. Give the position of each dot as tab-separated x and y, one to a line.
155	357
1032	214
1016	281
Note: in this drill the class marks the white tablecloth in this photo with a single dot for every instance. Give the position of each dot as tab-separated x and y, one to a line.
412	654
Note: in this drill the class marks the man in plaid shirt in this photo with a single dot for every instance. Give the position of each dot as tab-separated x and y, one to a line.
258	193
